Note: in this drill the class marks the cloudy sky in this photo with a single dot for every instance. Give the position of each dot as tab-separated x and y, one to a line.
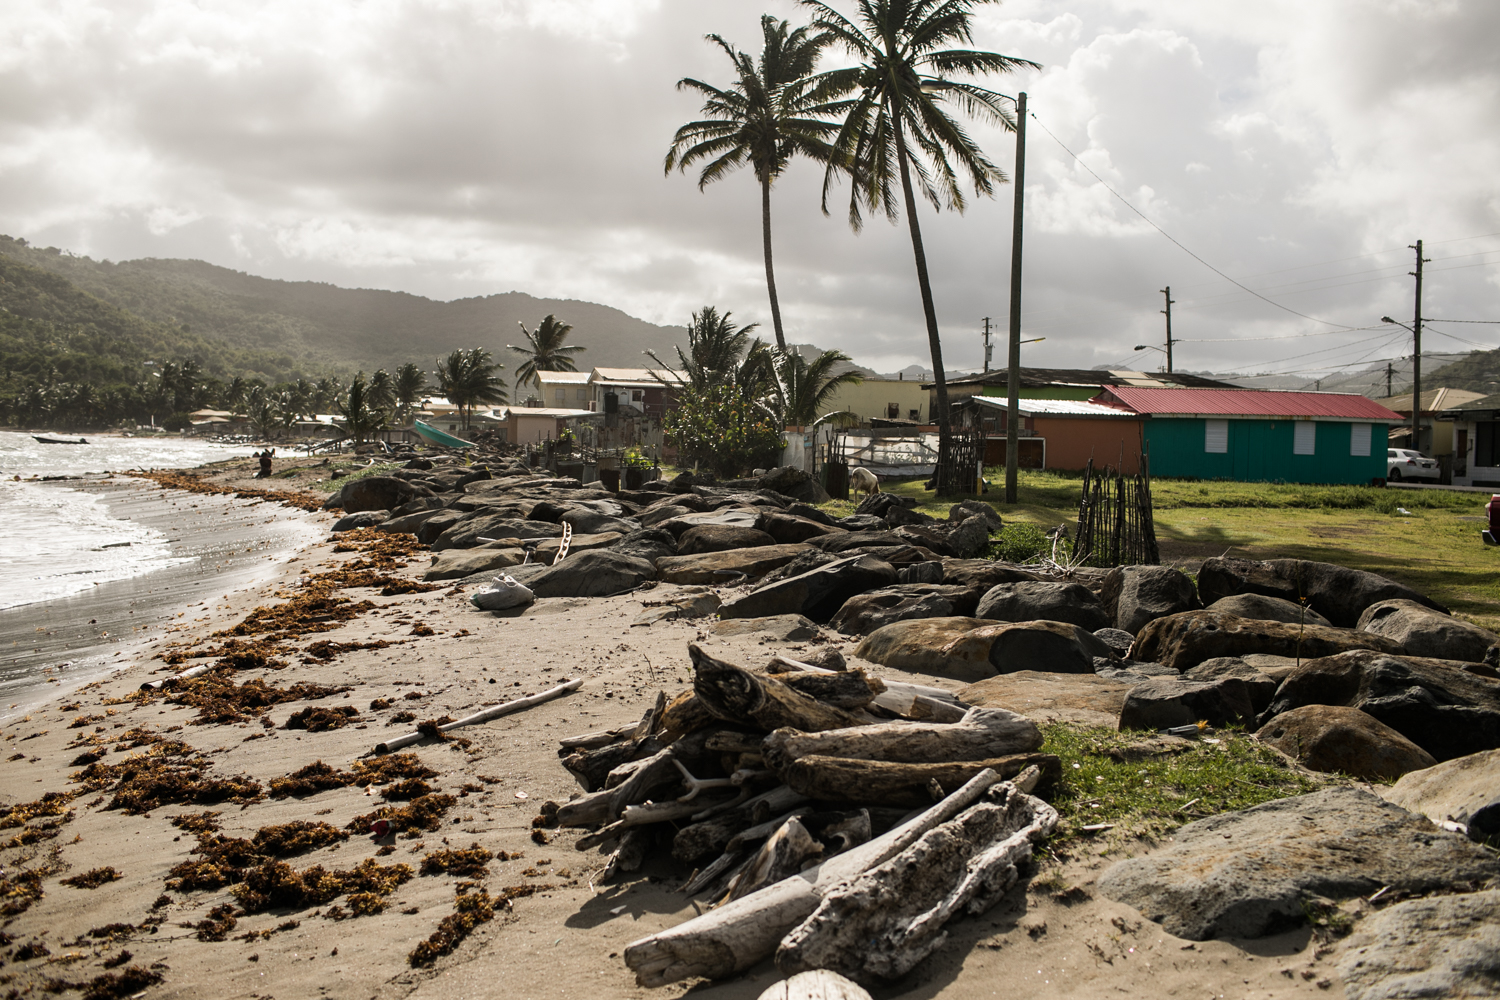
462	147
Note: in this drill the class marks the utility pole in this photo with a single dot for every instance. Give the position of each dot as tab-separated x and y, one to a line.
1416	358
1389	371
1013	402
988	348
1168	313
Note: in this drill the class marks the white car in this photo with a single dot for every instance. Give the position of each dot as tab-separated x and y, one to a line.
1408	464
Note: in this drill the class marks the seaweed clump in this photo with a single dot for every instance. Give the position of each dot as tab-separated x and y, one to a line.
50	804
469	911
297	837
93	878
469	862
316	719
318	776
20	887
204	822
165	775
404	791
277	885
221	920
219	699
425	813
224	860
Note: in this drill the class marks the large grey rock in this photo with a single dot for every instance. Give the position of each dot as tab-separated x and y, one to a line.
930	571
818	593
1080	699
455	564
1465	791
1186	640
1262	686
969	538
467	534
787	528
432	529
794	483
1338	739
379	493
598	573
1056	647
1337	593
743	517
1271	609
965	509
983	573
720	538
1445	947
409	524
592	522
896	516
781	628
1166	702
655	514
1118	640
1249	873
838	542
809	559
649	544
920	645
363	519
1135	595
1441	708
864	613
727	568
1034	600
419	504
1425	632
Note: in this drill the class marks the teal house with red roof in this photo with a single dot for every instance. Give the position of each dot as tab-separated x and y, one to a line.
1259	435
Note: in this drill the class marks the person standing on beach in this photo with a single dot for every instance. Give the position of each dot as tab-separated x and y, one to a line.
265	465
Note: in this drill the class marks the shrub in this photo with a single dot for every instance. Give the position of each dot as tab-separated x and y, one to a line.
720	428
1019	541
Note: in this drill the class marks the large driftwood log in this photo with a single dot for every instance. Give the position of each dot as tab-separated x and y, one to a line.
594	740
485	715
735	936
820	984
684	714
849	689
785	852
711	836
593	767
981	734
842	779
737	695
637	779
880	924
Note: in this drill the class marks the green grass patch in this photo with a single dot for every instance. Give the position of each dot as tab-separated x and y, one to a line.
1154	795
378	469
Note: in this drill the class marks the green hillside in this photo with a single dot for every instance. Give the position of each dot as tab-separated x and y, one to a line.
320	326
1477	372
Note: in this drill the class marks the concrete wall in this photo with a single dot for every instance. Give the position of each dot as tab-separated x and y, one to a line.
871	397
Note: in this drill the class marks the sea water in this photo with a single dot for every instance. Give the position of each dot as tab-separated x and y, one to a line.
62	541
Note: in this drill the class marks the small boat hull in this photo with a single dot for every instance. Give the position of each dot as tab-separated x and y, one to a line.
436	436
46	440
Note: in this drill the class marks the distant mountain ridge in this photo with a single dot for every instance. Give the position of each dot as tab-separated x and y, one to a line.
319	326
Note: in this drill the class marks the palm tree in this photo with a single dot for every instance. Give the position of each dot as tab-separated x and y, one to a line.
771	112
804	387
381	392
714	351
545	351
896	125
261	407
361	413
470	378
411	382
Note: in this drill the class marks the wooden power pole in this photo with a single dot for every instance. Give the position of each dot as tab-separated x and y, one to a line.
1013	401
1168	311
1416	358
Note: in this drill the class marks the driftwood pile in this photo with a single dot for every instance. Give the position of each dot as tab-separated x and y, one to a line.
786	795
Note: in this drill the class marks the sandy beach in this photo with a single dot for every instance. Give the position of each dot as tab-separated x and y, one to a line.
382	663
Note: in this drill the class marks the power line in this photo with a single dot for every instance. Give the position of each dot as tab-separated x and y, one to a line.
1178	243
1282	336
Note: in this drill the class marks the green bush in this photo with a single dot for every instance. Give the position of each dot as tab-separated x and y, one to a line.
1018	542
723	430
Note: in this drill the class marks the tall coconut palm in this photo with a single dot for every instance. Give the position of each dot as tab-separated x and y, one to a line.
381	391
770	113
715	350
411	382
470	378
545	350
360	411
898	125
804	387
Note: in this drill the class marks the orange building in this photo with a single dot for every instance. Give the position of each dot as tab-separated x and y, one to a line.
1063	434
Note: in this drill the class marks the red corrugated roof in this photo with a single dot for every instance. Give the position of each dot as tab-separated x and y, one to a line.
1248	403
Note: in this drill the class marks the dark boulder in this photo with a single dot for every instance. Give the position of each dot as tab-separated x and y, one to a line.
364	519
431	529
864	613
921	572
1033	600
1343	740
596	573
592	522
1165	702
983	572
1262	686
379	493
720	538
841	541
649	544
861	522
794	483
818	593
1054	647
409	524
808	559
740	517
1337	593
418	505
1118	640
729	567
1186	640
1136	595
789	528
1271	609
878	504
810	513
965	509
1443	709
1425	632
896	516
466	534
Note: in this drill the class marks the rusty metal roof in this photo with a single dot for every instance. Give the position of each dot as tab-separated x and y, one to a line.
1247	403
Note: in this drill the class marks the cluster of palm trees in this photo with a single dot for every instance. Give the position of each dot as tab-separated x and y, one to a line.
883	124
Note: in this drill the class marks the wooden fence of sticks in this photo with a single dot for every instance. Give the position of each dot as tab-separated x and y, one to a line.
1115	527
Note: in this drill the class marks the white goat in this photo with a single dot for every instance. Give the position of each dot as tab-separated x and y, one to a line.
863	481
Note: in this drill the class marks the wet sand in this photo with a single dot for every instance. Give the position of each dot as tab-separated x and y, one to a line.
223	543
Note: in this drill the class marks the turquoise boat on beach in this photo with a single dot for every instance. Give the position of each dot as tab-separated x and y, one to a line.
436	436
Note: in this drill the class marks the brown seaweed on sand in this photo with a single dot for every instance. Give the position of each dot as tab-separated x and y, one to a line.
469	911
425	813
468	863
93	878
276	885
319	719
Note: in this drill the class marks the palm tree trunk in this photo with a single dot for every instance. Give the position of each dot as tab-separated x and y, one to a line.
934	343
765	234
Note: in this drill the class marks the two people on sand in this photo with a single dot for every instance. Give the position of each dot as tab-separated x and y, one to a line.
265	462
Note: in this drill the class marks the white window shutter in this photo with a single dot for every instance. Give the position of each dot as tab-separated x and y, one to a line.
1359	439
1216	437
1304	435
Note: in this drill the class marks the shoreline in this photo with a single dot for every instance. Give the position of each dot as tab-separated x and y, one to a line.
219	544
382	663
